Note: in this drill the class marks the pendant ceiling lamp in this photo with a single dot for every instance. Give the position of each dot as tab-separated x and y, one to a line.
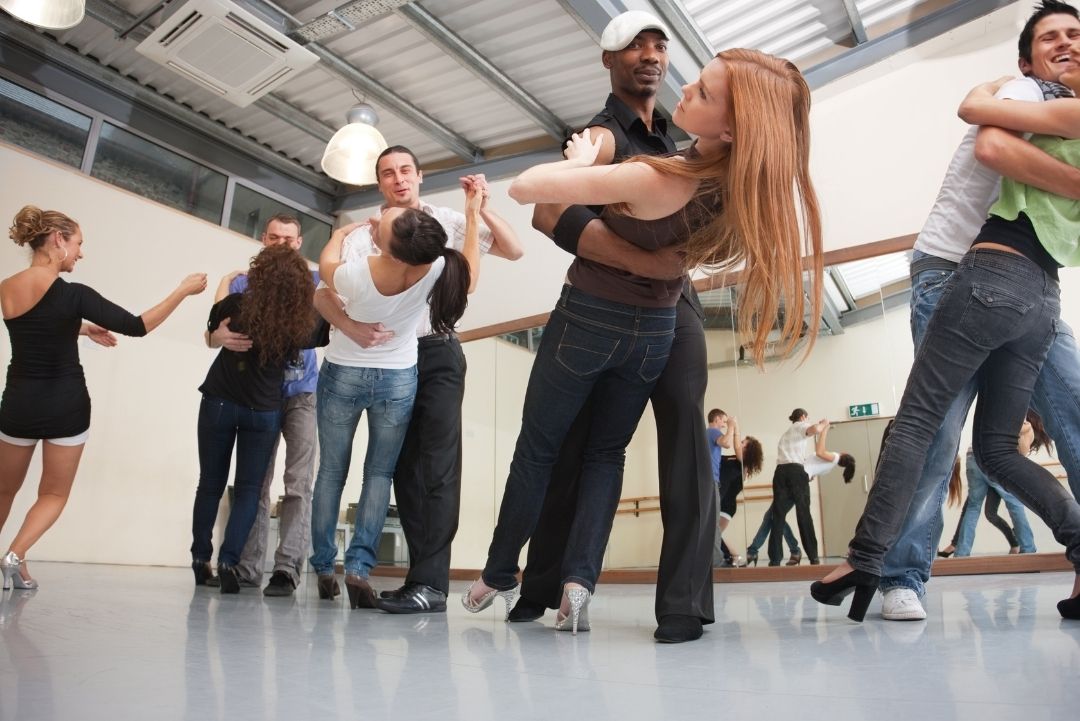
351	154
48	14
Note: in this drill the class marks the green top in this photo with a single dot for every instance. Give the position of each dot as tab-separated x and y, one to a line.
1056	219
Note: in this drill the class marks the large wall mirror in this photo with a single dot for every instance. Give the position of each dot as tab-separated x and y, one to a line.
854	376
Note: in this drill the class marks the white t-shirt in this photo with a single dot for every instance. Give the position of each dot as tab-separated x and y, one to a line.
401	313
816	466
968	190
793	443
358	245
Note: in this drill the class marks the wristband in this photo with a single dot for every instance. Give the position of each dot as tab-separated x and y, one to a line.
571	224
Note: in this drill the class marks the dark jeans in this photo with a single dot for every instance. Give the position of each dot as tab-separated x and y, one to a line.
995	322
615	352
791	487
684	579
427	480
223	424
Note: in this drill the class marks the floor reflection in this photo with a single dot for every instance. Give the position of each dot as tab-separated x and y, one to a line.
119	642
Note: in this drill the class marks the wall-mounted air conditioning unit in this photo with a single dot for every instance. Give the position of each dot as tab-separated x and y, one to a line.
226	49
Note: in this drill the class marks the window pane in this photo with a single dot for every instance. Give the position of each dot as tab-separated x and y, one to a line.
251	210
153	172
42	126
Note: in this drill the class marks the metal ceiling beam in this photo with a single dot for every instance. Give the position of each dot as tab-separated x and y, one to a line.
396	104
383	95
151	99
456	47
855	18
686	30
923	29
123	22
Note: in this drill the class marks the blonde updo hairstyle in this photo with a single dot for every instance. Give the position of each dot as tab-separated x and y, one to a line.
33	225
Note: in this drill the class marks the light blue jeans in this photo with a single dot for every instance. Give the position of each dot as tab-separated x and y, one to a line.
1056	398
978	483
343	394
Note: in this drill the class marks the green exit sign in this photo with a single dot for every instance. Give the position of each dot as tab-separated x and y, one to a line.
863	409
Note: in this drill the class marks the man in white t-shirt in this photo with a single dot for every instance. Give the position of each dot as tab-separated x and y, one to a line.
970	187
791	486
427	480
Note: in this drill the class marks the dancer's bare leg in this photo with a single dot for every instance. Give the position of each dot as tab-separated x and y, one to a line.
59	465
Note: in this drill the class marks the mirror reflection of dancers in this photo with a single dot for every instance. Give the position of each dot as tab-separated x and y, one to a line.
610	333
45	398
744	462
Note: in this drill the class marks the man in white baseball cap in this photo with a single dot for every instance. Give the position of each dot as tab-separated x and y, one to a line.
635	53
623	28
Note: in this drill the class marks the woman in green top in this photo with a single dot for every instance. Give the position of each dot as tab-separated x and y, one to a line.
993	326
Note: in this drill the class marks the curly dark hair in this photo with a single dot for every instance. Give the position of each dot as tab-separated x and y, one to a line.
276	309
753	456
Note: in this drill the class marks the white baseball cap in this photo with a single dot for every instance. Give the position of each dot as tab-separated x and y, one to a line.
623	28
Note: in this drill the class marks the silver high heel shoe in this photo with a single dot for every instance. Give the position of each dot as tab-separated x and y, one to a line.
487	599
578	619
9	566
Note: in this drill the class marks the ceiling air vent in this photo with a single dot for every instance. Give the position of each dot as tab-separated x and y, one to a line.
225	49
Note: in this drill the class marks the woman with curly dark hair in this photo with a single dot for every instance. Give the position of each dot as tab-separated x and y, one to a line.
241	402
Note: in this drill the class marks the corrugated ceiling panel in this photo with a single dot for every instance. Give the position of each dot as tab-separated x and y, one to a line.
538	45
793	29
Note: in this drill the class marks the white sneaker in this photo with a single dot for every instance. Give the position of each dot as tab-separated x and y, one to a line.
902	604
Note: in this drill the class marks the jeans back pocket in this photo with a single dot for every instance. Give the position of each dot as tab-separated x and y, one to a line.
992	314
583	352
654	362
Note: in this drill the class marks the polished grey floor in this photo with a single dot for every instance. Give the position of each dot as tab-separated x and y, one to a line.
112	642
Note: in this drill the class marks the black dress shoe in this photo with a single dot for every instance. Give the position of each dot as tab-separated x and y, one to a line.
526	610
415	598
678	629
280	584
1070	608
396	593
230	582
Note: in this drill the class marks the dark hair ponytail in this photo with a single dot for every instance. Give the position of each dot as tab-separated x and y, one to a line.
419	239
450	294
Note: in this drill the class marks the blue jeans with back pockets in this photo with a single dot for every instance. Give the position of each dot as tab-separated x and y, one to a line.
343	394
616	352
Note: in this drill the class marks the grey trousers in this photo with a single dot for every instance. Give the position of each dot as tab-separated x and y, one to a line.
294	516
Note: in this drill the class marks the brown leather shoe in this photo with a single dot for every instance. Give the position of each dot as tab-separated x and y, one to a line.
328	587
361	594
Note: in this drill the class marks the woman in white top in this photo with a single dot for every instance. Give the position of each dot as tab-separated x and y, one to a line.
824	460
412	271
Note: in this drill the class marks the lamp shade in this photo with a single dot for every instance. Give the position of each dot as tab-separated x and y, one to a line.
49	14
351	154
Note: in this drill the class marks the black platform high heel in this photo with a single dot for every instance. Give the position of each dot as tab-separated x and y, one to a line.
832	594
751	557
1070	608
